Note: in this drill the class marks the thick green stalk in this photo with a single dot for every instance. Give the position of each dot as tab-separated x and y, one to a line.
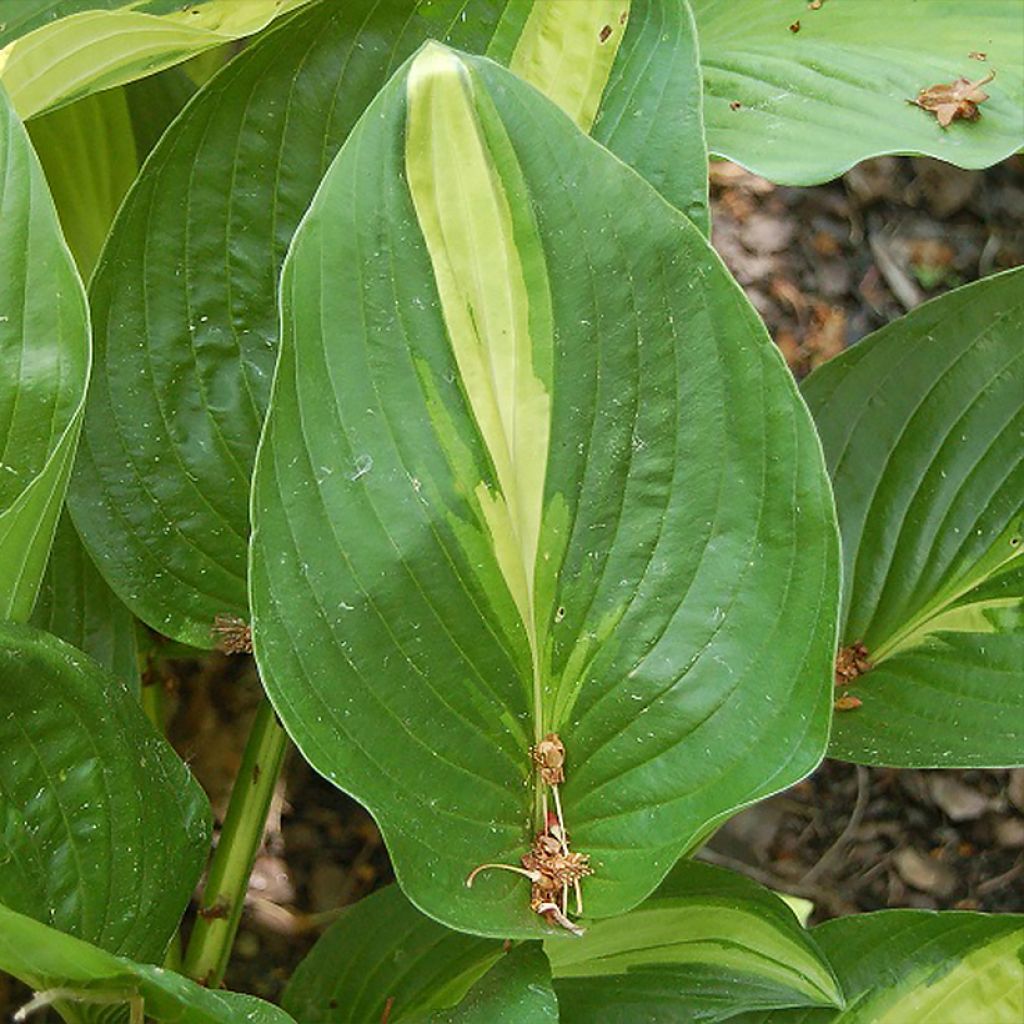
220	910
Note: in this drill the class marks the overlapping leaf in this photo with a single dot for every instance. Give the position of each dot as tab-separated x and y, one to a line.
186	324
898	966
380	950
76	605
534	467
707	946
921	425
103	832
801	94
91	150
55	53
83	977
44	350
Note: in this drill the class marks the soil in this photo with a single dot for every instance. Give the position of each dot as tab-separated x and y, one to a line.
824	266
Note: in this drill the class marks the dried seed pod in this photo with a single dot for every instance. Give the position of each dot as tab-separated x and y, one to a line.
549	757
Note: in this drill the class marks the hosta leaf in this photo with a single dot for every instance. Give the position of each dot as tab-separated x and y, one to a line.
44	350
652	115
91	151
708	945
103	831
535	467
185	316
898	966
922	425
88	154
802	106
53	53
48	959
76	605
382	948
517	989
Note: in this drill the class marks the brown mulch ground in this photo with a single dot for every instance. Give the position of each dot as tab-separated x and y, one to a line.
823	266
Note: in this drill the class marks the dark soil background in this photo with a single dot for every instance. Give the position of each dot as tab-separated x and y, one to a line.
824	266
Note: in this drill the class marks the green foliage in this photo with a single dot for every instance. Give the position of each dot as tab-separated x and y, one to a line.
83	977
802	106
530	465
103	832
44	348
483	602
921	425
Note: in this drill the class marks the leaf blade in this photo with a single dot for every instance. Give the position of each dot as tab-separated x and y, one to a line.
403	626
44	338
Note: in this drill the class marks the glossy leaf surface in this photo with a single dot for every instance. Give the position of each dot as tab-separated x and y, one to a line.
53	53
898	966
103	831
536	467
76	605
185	315
707	945
383	948
47	959
802	106
44	351
516	989
922	425
88	154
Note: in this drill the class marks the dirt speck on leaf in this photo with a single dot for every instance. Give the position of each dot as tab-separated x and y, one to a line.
795	27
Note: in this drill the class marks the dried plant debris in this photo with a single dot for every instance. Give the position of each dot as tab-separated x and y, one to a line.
550	865
851	662
847	702
234	634
957	100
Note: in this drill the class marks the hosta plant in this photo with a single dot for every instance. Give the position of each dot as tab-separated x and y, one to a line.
390	346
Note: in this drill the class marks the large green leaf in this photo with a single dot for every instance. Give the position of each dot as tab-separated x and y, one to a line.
84	976
536	466
88	154
384	958
802	106
44	350
184	301
103	831
708	945
76	605
56	51
516	990
921	425
91	151
652	116
903	966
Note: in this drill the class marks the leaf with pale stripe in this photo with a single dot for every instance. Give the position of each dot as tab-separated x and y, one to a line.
800	107
536	466
44	350
88	981
707	945
922	423
56	52
184	301
898	966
